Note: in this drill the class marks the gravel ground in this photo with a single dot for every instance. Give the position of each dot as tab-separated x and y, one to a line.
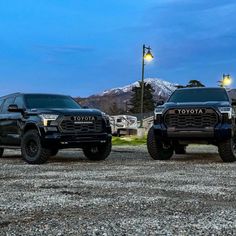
128	194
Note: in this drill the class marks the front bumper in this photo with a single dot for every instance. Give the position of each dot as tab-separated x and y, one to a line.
219	132
61	140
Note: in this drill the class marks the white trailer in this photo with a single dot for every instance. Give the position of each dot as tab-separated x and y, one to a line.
124	125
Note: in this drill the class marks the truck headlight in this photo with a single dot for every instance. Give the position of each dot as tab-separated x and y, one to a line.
159	110
48	117
226	110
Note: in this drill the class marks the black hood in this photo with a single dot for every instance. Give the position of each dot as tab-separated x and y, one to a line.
214	104
69	112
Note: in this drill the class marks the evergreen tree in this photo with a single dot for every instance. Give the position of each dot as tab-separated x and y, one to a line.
195	83
148	101
135	100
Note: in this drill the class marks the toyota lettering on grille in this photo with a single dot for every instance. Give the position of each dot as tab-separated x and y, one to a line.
83	119
193	111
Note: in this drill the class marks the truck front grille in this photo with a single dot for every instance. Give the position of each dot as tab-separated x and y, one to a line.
175	118
68	125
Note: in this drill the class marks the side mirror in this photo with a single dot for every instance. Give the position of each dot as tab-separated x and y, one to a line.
14	108
85	107
233	102
159	103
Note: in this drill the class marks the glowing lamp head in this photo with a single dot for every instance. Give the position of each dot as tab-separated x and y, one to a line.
227	80
148	56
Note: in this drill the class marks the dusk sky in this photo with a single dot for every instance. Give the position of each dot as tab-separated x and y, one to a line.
82	47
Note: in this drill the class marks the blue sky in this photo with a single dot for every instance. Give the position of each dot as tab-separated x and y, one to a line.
82	47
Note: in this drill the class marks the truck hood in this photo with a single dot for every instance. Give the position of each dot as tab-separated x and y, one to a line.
215	104
69	112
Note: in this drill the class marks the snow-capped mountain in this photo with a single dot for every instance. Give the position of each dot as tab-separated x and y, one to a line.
120	97
162	88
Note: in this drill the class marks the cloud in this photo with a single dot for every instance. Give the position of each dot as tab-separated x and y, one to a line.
193	5
61	54
64	48
193	20
201	19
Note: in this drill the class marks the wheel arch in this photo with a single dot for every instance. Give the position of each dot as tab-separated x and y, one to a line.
31	126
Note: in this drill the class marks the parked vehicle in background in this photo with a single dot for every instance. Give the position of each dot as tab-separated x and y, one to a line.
123	125
41	124
194	115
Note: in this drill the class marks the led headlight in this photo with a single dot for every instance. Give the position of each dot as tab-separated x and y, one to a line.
159	110
226	110
48	117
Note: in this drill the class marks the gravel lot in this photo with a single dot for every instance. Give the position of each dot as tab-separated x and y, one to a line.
128	194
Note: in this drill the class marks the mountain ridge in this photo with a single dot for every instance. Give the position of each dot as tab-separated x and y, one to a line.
121	95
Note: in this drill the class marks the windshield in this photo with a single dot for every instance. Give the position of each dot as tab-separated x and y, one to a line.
50	102
199	95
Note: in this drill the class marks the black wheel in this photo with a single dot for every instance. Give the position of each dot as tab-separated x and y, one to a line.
180	149
32	150
99	152
53	152
227	150
1	152
156	148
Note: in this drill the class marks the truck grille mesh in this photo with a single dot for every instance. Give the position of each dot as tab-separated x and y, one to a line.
208	119
68	125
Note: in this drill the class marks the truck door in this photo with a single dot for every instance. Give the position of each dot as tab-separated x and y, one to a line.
7	124
16	120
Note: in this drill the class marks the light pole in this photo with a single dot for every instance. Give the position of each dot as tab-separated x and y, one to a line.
226	81
147	55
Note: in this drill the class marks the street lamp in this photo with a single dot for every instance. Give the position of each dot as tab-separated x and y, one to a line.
147	56
226	81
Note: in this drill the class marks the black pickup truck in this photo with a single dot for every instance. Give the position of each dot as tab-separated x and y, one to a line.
41	124
194	115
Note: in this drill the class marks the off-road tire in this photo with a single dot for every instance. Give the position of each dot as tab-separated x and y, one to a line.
53	152
32	150
1	152
180	149
156	148
99	152
227	150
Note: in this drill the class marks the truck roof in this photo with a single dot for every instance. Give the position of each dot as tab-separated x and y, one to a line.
18	93
203	88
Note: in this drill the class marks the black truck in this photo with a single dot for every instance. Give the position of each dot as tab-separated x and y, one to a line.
194	115
41	124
